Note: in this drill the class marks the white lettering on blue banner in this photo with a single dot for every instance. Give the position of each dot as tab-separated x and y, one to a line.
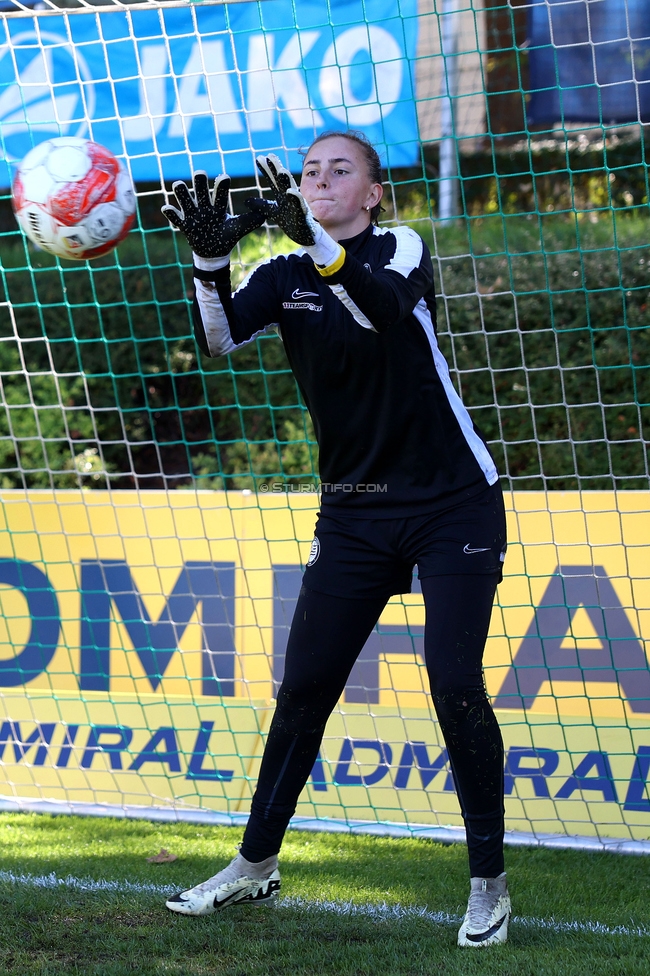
209	87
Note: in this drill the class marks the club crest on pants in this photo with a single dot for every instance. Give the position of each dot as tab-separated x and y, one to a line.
314	552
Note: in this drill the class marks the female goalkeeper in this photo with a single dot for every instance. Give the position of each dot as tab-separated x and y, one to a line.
406	480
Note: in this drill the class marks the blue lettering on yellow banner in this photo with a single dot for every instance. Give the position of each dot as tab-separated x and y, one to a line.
540	763
603	781
152	754
138	670
351	747
10	732
416	754
206	592
637	794
209	586
196	768
616	655
111	739
43	608
592	772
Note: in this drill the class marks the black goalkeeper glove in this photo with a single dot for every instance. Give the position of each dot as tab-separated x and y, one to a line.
204	219
290	211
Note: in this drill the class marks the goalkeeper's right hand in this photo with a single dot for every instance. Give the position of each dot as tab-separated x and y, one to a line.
203	217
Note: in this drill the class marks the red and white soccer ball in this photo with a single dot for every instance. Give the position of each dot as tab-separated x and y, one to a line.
74	198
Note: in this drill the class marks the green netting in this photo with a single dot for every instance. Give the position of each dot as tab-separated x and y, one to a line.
542	268
543	282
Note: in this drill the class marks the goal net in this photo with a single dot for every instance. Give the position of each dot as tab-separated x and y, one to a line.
157	508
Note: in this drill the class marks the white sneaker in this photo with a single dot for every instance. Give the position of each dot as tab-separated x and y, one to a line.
242	882
488	912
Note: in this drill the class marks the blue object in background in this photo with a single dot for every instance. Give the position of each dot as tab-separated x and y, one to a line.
210	87
589	61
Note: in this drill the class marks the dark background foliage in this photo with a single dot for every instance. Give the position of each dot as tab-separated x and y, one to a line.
543	315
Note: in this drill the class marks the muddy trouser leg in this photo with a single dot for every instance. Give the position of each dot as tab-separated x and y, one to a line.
458	610
326	637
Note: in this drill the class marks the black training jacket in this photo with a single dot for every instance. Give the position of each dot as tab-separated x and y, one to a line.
394	437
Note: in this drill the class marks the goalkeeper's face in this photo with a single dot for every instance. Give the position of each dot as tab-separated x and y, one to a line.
336	185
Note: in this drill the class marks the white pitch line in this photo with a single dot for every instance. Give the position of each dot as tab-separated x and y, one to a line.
380	912
384	911
84	884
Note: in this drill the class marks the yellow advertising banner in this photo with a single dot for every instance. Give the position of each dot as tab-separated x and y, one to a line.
142	639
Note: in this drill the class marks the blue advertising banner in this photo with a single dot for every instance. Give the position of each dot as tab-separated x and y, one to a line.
589	61
209	87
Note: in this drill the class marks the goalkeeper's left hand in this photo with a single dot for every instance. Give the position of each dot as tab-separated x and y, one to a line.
290	211
204	219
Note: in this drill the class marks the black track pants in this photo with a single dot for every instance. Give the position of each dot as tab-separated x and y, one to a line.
327	635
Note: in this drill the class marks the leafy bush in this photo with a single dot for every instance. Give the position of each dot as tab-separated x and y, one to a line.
552	348
544	320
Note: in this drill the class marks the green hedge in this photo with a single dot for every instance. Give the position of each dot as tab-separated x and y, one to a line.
544	320
553	347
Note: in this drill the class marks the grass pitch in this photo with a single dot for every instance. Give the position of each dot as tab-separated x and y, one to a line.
77	896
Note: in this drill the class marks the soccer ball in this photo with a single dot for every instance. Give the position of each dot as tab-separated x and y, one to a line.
72	197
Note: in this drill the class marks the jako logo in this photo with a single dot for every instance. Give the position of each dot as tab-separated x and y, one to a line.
40	78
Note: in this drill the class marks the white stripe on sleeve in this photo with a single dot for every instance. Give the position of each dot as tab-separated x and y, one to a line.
354	310
408	252
215	322
213	317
